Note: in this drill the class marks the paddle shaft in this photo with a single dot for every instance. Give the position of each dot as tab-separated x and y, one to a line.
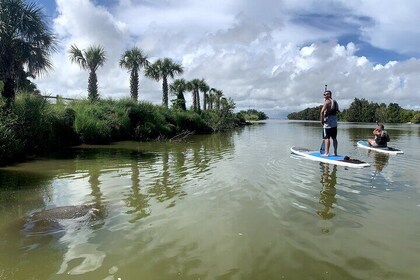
322	149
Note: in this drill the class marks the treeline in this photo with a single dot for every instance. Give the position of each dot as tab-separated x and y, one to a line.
253	115
361	110
26	46
33	126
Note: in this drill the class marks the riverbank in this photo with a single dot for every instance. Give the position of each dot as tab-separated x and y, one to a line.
34	126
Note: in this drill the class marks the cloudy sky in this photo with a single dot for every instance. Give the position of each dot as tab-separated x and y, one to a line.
271	55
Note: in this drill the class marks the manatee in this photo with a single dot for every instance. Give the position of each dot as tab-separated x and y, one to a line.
51	221
65	212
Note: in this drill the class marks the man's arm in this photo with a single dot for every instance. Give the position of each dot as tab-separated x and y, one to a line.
324	108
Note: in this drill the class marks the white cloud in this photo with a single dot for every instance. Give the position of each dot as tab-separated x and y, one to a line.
274	56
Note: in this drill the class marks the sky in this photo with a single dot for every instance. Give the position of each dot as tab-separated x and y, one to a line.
274	56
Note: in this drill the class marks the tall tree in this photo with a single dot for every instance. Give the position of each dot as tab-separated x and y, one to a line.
25	43
204	88
212	98
194	86
219	95
90	59
178	87
161	70
133	60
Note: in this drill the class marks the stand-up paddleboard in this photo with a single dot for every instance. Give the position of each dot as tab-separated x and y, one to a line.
387	150
337	160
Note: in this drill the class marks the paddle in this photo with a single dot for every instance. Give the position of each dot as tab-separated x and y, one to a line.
322	149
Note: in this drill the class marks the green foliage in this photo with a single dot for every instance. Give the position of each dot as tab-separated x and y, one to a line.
34	121
90	59
416	118
63	118
393	112
253	115
407	115
162	69
33	125
361	110
221	120
147	121
101	121
311	114
10	144
186	120
26	44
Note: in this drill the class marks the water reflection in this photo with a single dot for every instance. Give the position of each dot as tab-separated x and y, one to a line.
328	192
136	200
380	160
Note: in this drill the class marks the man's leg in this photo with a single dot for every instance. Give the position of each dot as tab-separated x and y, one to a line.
327	146
335	144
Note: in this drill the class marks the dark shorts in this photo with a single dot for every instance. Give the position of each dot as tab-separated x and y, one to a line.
329	133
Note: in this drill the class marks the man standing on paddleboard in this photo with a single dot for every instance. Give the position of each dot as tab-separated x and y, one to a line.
328	117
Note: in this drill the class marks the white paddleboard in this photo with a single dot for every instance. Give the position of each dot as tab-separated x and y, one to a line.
387	150
337	160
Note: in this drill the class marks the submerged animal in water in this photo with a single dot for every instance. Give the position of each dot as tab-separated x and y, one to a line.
51	220
65	212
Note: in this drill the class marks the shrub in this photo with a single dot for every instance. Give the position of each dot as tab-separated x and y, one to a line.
416	118
148	122
34	121
11	146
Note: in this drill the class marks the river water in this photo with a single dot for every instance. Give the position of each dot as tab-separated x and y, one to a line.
236	205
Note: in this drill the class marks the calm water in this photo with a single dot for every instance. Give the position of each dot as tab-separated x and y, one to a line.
227	206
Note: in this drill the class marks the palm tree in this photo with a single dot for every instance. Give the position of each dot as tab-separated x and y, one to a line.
194	86
133	60
212	98
162	69
219	95
24	41
178	87
204	87
90	59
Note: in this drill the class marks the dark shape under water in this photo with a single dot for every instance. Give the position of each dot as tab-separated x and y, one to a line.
50	221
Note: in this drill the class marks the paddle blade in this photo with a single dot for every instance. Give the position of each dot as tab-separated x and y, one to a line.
322	149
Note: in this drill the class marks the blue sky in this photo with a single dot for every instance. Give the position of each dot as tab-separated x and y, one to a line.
271	55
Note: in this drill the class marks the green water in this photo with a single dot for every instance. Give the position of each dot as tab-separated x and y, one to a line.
225	206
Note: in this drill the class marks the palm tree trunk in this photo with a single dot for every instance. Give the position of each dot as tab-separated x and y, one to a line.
134	85
182	101
93	86
165	92
198	100
9	86
194	100
204	101
8	92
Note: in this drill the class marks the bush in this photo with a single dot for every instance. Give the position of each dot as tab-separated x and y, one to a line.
416	118
102	121
186	121
148	122
11	146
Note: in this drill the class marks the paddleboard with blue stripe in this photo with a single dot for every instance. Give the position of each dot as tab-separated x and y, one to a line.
387	150
337	160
